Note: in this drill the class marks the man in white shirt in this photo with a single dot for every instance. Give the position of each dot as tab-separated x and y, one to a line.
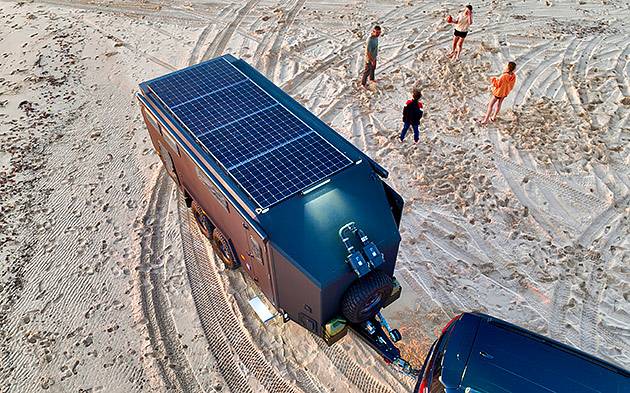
464	19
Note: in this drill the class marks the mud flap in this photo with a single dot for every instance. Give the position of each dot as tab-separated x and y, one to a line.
396	292
396	203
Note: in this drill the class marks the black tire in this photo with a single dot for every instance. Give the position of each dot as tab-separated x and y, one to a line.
366	296
204	224
223	250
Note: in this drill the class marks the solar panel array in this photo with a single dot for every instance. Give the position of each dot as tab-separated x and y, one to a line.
266	149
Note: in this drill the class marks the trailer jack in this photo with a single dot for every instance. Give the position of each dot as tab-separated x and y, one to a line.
371	331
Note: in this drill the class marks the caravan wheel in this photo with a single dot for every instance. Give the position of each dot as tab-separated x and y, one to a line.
205	226
223	250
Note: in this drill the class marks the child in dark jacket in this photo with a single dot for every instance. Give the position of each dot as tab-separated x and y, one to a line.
412	113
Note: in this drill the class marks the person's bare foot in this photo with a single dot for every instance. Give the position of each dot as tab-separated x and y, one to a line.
364	87
484	121
493	119
374	81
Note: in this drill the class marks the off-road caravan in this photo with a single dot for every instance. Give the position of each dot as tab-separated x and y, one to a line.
304	212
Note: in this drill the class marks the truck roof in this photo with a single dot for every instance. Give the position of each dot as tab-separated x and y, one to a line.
293	174
506	358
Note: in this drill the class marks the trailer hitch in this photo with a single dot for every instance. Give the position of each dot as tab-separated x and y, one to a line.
371	331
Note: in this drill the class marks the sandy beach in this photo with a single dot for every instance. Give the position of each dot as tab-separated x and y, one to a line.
107	285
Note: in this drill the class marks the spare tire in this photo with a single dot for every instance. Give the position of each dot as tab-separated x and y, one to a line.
366	296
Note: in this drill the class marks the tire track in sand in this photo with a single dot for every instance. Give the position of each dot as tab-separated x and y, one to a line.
568	84
333	60
273	53
200	40
223	38
131	9
238	358
352	370
528	86
172	362
512	171
605	232
591	300
622	70
558	314
142	53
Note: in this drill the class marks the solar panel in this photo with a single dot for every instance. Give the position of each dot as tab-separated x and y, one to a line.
193	82
269	151
281	172
222	107
252	136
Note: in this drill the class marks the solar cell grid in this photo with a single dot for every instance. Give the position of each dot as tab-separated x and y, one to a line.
223	107
181	86
266	149
254	135
282	172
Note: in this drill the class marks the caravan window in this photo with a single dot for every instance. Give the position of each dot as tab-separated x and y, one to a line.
205	180
256	249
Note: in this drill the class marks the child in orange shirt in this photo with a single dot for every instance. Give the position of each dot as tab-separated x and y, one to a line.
502	87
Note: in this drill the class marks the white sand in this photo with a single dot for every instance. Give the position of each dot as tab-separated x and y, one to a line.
107	286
